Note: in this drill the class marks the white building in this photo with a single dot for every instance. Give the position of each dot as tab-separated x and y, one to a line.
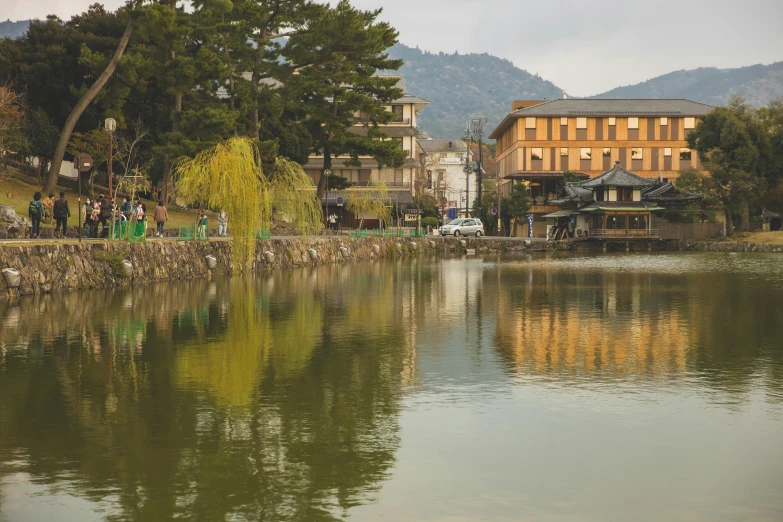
445	161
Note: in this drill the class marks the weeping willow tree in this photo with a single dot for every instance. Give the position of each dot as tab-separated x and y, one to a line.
374	200
293	195
229	176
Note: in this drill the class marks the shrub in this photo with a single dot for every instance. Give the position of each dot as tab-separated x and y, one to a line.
429	222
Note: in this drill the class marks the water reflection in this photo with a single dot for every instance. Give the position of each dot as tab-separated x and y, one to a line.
280	396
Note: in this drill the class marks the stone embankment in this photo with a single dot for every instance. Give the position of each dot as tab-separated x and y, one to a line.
721	246
65	266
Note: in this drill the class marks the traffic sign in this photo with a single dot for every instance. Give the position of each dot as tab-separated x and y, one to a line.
340	201
494	211
83	162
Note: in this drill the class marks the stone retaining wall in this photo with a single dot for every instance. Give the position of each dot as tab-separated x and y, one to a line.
59	266
721	246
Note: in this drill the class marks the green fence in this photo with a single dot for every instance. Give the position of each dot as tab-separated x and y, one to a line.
264	233
358	232
187	233
135	232
418	233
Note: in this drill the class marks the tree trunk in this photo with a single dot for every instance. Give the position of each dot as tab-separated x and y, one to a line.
745	217
81	106
729	223
256	79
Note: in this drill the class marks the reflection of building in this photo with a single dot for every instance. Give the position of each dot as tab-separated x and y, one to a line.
400	181
444	161
541	140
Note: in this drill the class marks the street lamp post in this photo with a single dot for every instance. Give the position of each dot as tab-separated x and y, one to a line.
111	126
327	173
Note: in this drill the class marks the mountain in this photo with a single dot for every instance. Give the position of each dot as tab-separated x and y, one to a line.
9	29
758	84
459	86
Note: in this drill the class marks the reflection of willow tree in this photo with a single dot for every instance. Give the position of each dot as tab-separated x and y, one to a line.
247	405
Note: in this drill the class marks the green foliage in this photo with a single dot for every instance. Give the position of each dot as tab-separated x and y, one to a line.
292	194
427	203
373	201
228	176
734	146
696	182
429	222
115	262
515	207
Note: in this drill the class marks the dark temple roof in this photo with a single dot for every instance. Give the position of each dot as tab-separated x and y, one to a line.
574	194
668	193
617	176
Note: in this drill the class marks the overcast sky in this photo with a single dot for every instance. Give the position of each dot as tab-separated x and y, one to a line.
584	47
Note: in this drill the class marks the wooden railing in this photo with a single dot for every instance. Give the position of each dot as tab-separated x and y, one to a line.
624	233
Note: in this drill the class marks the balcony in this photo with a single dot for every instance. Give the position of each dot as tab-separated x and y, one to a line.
395	121
624	233
391	185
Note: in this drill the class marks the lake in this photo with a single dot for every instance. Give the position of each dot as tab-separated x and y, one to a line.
622	387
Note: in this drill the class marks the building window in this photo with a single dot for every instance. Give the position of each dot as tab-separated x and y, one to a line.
633	123
581	123
624	193
664	121
530	123
667	152
685	154
585	153
598	194
564	151
612	121
536	153
563	121
607	152
399	142
636	153
397	110
690	123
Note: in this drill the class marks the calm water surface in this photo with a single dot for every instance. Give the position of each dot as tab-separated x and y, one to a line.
611	388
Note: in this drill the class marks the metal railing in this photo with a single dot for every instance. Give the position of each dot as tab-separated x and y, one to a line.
625	233
398	121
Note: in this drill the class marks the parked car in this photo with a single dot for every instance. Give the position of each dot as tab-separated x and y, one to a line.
463	227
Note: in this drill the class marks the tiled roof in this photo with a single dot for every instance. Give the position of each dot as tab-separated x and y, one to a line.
616	107
442	145
606	107
617	176
621	205
668	192
539	174
574	194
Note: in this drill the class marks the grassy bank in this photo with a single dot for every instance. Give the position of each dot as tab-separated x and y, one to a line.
18	193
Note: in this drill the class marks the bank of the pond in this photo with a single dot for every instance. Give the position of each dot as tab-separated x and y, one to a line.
59	266
721	246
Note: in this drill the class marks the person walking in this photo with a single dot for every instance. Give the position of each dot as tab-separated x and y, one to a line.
105	215
61	215
87	217
223	223
125	208
48	204
36	212
95	218
161	216
202	225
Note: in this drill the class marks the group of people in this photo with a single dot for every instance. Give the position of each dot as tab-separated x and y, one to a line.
96	212
49	208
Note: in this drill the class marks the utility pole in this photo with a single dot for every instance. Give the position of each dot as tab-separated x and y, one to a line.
477	125
467	169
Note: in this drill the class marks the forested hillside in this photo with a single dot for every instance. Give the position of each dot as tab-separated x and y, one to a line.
459	86
9	29
758	84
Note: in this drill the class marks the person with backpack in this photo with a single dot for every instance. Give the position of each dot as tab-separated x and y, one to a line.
61	215
161	216
36	212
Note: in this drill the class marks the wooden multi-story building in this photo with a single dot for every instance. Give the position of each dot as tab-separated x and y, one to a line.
541	140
